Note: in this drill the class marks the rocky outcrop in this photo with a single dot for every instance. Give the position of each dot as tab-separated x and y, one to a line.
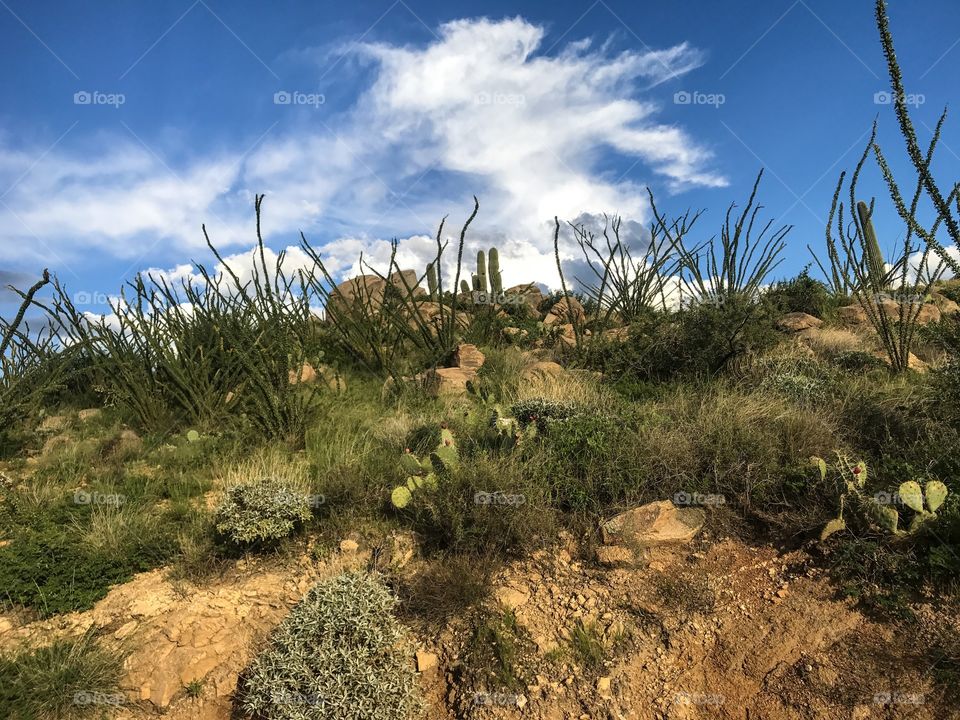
798	321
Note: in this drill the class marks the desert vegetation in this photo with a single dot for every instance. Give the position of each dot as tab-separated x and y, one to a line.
225	422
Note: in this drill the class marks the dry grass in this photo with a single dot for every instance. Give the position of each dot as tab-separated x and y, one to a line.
827	343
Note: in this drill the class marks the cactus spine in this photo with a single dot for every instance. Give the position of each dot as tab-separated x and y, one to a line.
878	270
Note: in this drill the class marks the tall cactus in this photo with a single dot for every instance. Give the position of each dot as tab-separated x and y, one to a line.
432	281
496	281
878	270
465	287
481	272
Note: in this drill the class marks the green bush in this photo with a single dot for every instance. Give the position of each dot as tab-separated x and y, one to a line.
491	506
59	681
801	294
703	340
263	511
339	655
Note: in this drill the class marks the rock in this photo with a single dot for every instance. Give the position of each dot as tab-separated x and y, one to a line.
946	305
511	597
468	357
567	310
531	293
856	315
53	423
371	289
426	661
797	321
89	414
614	556
306	375
543	368
445	381
568	336
5	625
54	445
852	314
126	629
348	547
603	686
127	443
655	523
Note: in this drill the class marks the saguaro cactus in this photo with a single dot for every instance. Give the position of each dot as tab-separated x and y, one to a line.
878	270
496	281
432	281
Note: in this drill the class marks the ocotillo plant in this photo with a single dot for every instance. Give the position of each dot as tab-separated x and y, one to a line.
432	281
857	267
944	203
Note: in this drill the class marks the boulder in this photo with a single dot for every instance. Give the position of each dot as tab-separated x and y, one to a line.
445	381
468	357
946	305
531	293
798	321
89	414
656	523
852	314
567	310
543	368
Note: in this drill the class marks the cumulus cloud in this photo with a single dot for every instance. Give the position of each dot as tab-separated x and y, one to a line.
487	108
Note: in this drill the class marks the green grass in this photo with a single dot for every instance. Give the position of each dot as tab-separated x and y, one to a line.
68	678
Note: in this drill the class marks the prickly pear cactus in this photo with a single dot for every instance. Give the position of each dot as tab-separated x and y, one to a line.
424	473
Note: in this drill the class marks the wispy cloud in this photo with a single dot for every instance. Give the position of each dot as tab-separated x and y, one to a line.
482	109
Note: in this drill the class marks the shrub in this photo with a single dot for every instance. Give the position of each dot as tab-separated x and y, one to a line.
262	511
858	361
700	341
339	655
490	506
59	681
801	294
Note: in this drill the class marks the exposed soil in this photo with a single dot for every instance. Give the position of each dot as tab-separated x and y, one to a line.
721	630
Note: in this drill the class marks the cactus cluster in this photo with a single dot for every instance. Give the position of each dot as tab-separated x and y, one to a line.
924	500
423	472
488	268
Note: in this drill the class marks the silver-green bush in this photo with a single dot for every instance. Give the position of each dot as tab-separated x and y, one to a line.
261	511
339	655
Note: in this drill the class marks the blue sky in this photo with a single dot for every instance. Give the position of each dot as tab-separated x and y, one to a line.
128	124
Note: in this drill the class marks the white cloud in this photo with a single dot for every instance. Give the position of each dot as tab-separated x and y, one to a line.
483	109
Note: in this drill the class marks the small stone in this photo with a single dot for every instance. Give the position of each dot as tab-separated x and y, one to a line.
603	686
426	661
511	598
